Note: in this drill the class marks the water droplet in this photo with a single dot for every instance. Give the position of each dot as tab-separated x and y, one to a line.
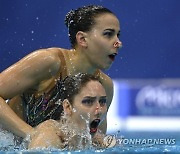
74	110
71	21
136	20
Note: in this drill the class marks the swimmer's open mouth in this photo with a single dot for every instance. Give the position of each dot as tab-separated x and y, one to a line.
93	125
112	56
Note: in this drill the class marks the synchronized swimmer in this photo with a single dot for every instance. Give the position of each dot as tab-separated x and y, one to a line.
32	84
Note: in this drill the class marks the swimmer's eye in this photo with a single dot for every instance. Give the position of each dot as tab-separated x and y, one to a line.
108	34
102	102
88	101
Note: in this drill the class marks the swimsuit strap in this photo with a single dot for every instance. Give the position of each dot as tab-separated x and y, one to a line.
63	68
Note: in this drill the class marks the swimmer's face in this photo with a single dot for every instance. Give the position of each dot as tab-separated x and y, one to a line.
89	105
101	39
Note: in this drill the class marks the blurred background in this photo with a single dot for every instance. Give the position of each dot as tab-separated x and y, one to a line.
146	70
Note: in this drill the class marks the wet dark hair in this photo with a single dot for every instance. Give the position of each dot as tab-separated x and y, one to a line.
82	19
72	85
68	88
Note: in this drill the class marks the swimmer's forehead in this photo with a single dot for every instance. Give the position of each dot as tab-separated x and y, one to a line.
107	21
93	89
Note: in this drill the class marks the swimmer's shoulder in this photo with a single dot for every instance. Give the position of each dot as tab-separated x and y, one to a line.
50	57
46	56
46	135
54	51
51	126
57	51
48	125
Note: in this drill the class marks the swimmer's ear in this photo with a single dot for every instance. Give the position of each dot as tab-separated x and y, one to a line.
67	107
81	39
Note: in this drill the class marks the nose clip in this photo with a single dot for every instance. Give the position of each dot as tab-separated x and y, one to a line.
98	110
117	44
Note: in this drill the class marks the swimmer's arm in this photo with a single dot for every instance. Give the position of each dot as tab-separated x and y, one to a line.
27	73
12	122
20	77
45	136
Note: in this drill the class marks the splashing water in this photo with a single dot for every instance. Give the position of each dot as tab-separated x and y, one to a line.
12	148
10	142
76	138
6	139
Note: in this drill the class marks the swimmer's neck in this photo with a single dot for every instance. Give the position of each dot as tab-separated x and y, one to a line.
81	62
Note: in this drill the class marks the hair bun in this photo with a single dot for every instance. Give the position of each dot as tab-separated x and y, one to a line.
69	17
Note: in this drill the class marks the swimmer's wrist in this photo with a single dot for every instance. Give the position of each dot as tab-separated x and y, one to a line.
26	130
30	134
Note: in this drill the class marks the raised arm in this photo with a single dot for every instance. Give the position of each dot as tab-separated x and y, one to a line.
23	76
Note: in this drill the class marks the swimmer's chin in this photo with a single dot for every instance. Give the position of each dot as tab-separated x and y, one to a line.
106	67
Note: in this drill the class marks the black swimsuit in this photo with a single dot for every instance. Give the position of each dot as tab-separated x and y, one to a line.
48	105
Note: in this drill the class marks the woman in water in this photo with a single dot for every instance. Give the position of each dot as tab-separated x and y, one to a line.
84	107
32	83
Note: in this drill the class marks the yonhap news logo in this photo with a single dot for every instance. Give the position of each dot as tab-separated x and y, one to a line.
111	141
161	141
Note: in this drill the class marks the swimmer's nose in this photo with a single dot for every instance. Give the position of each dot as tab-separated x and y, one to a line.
98	109
117	44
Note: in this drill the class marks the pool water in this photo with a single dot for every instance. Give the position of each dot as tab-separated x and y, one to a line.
139	147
